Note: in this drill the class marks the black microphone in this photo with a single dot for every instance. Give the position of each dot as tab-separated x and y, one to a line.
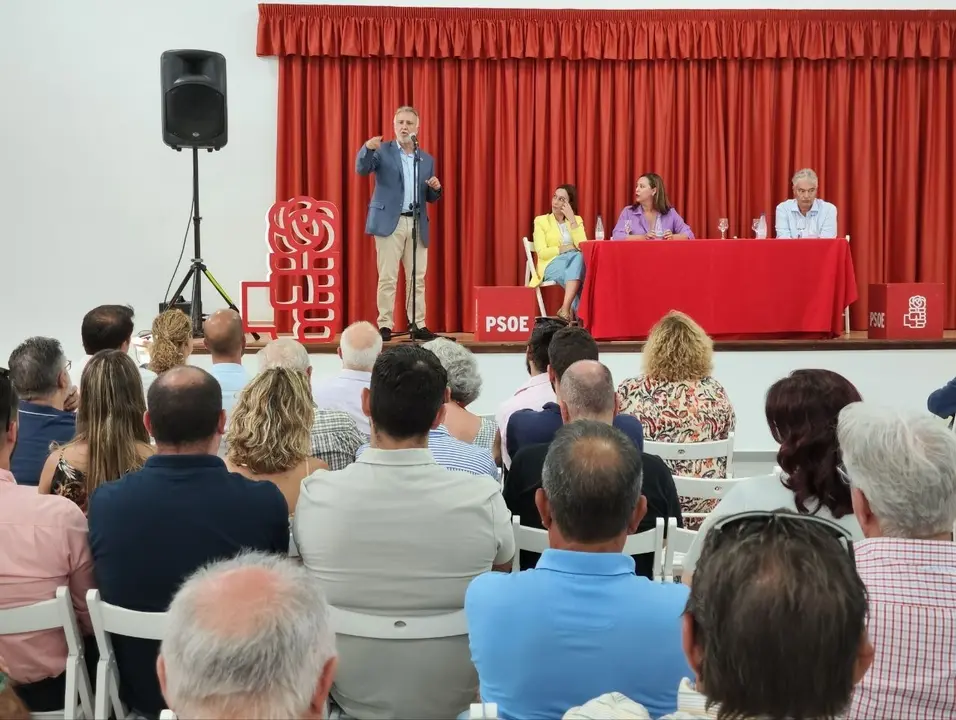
414	139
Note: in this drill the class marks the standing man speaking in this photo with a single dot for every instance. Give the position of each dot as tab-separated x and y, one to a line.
390	217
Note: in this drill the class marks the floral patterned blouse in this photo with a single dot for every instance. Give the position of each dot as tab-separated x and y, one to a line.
682	411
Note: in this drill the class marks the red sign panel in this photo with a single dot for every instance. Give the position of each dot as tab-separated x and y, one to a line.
504	314
904	311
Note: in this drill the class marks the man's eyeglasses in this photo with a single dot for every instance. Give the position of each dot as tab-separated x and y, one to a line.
844	475
838	533
69	364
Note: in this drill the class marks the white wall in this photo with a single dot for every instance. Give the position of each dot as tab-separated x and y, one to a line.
93	205
898	378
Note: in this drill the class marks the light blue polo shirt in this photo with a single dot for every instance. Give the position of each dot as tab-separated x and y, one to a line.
577	626
232	379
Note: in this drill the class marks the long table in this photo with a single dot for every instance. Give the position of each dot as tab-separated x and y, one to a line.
733	288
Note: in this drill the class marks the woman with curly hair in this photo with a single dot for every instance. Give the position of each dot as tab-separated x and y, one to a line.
678	400
171	341
269	432
802	411
111	439
464	382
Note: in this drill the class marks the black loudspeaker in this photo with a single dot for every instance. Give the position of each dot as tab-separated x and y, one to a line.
194	99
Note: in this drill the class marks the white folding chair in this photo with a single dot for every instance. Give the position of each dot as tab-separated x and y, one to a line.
704	488
536	540
530	272
114	620
167	715
679	541
56	614
694	450
405	627
846	310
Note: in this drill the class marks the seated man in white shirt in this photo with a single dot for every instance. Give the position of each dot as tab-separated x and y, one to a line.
901	467
535	391
395	534
805	215
359	345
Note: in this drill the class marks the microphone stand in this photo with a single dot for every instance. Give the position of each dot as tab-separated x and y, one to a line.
417	209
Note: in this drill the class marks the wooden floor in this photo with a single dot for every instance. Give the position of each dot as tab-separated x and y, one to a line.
854	341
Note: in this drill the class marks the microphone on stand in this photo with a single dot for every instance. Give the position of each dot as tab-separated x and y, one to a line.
414	138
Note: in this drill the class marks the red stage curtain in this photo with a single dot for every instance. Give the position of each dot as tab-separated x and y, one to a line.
724	105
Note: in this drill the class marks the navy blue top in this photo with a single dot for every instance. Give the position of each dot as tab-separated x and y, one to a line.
40	425
531	427
941	402
152	528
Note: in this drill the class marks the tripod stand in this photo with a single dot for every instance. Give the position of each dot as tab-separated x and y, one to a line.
198	266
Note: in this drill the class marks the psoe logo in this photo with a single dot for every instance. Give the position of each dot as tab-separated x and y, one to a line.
510	323
877	320
915	316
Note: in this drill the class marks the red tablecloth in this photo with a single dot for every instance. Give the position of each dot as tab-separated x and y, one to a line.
733	288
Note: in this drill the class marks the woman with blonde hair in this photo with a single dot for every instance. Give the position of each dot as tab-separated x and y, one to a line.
270	430
677	399
111	439
171	340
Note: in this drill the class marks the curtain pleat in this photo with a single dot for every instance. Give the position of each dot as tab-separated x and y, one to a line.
726	133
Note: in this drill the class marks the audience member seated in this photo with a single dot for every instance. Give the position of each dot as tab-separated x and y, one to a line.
805	215
170	344
110	439
44	541
536	391
776	598
396	534
248	638
802	411
942	402
106	327
587	393
334	437
359	345
581	623
531	427
678	400
225	340
901	467
41	375
269	435
464	381
150	529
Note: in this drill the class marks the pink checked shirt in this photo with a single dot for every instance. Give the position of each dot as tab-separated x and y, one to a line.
532	395
912	625
44	545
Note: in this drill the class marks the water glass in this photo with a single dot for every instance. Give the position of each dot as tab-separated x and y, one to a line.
722	226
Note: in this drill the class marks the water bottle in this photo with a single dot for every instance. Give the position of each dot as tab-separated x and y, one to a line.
599	229
659	227
762	227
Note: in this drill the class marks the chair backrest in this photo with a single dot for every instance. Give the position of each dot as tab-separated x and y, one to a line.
529	271
115	620
406	627
483	711
694	450
704	488
536	540
167	714
56	614
679	541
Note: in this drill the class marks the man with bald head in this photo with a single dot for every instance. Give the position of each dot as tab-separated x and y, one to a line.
359	345
152	528
224	339
588	393
248	638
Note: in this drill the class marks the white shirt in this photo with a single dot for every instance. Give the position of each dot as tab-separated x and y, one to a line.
533	395
759	493
394	533
819	222
344	392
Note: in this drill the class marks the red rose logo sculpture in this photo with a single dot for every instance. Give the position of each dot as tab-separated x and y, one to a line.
304	278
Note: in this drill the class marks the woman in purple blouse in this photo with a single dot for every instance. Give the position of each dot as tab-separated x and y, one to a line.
651	216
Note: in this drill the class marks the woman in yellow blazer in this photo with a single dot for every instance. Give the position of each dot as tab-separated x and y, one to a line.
557	237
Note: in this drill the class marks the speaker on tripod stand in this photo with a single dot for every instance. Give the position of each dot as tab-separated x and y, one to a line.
194	116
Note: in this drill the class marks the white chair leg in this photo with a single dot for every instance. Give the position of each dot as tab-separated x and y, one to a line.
101	707
118	708
69	702
846	321
537	292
